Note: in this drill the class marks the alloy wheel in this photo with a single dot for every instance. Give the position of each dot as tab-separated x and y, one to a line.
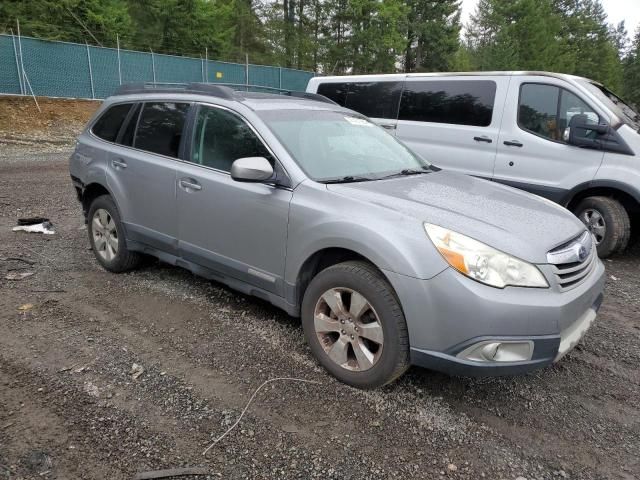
105	234
348	329
595	223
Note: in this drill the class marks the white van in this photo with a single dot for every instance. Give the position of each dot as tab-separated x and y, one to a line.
566	138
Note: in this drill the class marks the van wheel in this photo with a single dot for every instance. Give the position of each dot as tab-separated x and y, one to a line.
608	221
354	325
107	238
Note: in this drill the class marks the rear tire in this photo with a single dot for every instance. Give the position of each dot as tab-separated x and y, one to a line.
609	221
107	237
366	344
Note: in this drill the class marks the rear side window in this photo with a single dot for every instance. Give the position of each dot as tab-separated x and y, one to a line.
221	137
373	99
160	127
463	102
108	125
335	91
130	129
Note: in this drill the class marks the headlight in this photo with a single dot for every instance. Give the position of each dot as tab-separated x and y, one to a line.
483	263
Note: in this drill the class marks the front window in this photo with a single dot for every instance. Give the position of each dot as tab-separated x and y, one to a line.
221	137
547	110
330	145
627	113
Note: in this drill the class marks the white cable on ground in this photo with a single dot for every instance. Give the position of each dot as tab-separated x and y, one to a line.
249	403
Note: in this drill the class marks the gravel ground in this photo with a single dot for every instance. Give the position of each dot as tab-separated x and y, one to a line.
71	408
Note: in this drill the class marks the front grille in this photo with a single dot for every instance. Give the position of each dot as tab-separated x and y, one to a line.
570	274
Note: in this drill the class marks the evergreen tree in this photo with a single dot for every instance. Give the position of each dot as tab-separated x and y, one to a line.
433	35
632	72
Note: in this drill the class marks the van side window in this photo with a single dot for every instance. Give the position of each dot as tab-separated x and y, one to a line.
221	137
375	99
546	110
458	102
108	125
335	91
160	127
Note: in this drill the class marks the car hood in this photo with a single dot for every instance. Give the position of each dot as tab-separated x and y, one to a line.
513	221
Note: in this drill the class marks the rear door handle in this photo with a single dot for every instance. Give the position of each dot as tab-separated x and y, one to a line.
190	184
119	163
483	139
512	143
389	126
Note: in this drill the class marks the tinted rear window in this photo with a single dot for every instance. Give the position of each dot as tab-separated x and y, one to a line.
108	125
160	127
130	129
373	99
465	102
335	91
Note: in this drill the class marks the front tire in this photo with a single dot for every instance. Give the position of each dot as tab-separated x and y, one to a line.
107	238
354	325
608	221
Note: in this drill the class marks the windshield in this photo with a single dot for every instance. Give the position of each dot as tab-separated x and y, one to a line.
330	145
619	106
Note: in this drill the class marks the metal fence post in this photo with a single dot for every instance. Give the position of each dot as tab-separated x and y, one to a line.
119	68
202	67
247	68
280	77
15	53
206	65
93	92
153	65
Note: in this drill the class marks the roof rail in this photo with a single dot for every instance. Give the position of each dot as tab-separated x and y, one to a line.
228	91
160	87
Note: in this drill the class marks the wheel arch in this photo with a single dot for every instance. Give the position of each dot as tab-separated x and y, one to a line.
626	195
90	192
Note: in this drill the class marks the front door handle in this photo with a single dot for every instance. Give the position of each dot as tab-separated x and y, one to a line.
190	184
512	143
119	163
483	139
389	126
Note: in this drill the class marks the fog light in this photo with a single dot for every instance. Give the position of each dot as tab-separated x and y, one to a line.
498	351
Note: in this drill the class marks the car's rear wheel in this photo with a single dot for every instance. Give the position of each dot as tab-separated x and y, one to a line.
107	238
354	325
608	221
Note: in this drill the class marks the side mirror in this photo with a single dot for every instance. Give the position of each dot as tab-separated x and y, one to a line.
577	133
251	169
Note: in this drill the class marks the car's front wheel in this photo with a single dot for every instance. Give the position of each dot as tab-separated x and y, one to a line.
608	221
107	238
355	326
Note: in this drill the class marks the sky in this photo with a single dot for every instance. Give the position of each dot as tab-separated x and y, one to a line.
617	10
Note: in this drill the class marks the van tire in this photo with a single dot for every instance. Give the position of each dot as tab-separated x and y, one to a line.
368	281
124	260
616	220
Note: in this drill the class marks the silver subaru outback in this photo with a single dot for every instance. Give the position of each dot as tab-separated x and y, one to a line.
388	260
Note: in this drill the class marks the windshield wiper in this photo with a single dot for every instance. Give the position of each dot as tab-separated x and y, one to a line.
347	179
405	173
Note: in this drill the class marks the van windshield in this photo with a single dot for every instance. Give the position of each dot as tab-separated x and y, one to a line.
615	103
333	146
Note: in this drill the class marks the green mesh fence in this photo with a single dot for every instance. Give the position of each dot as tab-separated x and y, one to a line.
60	69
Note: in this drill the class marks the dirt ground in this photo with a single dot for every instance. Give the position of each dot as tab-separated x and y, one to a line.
70	407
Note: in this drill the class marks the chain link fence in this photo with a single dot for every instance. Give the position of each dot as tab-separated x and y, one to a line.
61	69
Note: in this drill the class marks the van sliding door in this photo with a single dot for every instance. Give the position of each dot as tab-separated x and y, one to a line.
453	122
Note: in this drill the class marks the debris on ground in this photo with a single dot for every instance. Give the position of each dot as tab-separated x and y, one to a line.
136	371
26	307
35	225
16	276
174	472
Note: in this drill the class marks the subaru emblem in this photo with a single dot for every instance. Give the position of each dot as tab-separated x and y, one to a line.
582	253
